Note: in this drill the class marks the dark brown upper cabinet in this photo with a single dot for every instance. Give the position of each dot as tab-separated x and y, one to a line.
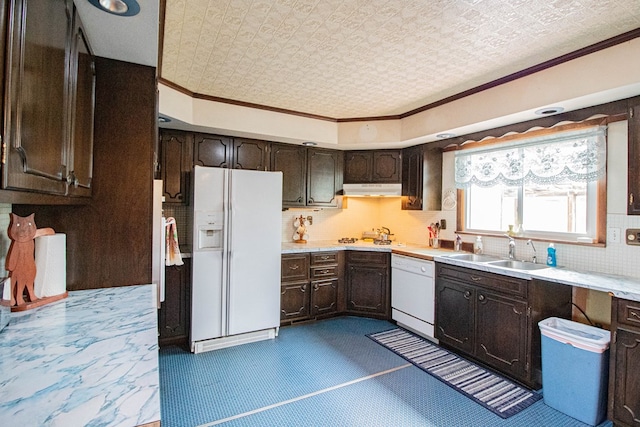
421	178
324	177
373	166
291	160
176	163
48	111
212	150
250	154
633	196
83	112
310	176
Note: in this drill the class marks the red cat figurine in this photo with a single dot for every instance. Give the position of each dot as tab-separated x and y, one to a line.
21	263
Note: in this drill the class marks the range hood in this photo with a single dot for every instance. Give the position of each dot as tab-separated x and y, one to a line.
372	190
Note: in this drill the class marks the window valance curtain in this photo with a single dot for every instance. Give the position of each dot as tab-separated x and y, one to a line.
578	156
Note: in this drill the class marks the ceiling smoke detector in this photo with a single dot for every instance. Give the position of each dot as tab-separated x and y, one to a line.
117	7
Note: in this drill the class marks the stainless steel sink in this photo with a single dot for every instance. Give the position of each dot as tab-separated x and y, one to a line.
474	257
517	265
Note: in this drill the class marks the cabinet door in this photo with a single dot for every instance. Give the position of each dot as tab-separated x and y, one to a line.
367	289
387	166
294	301
455	324
625	382
83	95
412	178
250	154
324	177
174	315
291	160
502	333
212	150
175	164
358	166
324	297
633	198
36	118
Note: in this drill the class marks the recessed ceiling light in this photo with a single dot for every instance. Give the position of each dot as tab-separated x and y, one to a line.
445	135
117	7
309	143
549	110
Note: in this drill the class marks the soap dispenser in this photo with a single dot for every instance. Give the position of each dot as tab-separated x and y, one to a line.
551	255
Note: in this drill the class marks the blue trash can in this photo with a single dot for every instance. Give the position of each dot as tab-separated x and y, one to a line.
575	369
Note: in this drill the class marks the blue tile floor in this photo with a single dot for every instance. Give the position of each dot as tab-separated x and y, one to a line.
326	373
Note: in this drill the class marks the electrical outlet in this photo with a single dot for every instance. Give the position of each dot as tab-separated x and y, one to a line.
632	236
613	236
443	224
310	219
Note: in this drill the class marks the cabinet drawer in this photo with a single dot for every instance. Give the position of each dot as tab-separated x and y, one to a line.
326	271
322	258
380	258
487	280
628	312
294	267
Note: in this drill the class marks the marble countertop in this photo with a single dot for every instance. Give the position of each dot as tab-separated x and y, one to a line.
620	286
89	359
333	245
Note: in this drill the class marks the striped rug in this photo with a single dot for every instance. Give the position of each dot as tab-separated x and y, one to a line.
501	396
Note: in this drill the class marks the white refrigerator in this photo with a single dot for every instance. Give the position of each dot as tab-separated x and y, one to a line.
237	235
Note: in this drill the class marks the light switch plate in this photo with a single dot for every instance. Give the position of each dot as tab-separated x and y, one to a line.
632	236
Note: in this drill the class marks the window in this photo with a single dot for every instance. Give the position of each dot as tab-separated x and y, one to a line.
543	186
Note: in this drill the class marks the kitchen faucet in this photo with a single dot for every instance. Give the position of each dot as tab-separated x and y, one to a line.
534	259
512	246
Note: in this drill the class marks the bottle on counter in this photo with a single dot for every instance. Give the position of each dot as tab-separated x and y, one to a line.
551	255
477	245
458	243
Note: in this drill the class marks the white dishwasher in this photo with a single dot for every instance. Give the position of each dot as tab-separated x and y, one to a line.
413	294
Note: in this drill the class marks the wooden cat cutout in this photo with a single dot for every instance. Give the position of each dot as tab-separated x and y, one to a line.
21	262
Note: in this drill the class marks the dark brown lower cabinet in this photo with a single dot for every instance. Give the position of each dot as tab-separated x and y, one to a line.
174	315
310	286
368	284
494	318
624	381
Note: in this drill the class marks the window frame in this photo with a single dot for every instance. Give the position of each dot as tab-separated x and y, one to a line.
599	196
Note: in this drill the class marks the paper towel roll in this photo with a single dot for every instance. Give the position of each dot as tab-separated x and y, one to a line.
51	265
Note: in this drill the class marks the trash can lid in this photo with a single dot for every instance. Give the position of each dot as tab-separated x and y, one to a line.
576	334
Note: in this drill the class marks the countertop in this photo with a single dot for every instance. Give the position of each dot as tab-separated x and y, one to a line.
620	286
89	359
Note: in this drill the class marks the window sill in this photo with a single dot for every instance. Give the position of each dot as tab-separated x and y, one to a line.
535	239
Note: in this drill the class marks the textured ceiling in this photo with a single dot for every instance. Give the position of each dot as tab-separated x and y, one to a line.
368	58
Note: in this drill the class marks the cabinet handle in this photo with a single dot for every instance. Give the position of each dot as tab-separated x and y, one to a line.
294	267
310	201
476	278
324	257
636	315
324	271
304	288
299	200
630	199
316	287
467	294
481	297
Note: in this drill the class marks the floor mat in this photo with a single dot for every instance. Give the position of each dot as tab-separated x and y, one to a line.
496	393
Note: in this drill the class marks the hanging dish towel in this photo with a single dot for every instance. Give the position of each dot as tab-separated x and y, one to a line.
173	256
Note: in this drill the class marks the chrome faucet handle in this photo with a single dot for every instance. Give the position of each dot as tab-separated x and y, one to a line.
534	258
512	246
